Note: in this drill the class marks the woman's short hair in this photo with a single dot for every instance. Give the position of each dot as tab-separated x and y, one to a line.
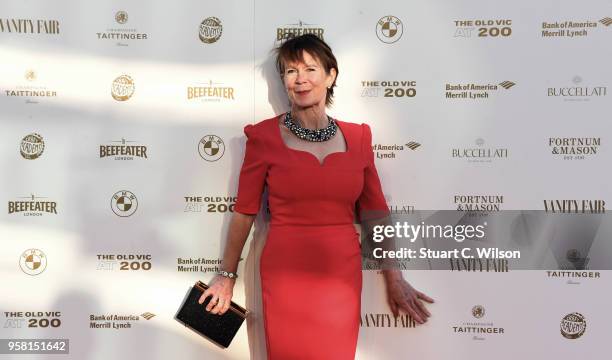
292	51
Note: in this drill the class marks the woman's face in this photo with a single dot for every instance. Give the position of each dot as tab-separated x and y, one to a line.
306	82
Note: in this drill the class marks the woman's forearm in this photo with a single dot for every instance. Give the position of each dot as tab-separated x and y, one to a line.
239	229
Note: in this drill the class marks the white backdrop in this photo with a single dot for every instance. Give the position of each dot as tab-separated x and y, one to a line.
184	192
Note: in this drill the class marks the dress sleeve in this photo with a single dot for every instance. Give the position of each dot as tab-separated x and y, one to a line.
371	203
252	174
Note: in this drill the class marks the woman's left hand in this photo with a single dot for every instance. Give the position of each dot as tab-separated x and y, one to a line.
401	295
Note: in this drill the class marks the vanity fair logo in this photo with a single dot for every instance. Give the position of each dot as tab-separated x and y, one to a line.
574	29
474	91
117	321
289	31
211	148
209	204
32	146
575	206
386	320
124	262
210	30
391	151
389	29
403	89
573	326
32	90
479	154
33	207
479	265
400	209
32	319
483	28
574	148
33	262
479	330
29	26
123	88
478	204
123	150
578	91
210	92
124	203
123	34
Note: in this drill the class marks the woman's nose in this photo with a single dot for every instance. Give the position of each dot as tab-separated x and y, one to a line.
301	76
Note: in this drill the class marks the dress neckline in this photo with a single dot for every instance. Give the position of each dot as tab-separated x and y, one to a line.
311	155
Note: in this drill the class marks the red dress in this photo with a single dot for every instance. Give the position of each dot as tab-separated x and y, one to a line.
311	263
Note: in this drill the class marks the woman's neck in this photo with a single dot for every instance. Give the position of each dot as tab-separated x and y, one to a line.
313	117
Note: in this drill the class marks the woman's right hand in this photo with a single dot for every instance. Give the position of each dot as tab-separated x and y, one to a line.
221	288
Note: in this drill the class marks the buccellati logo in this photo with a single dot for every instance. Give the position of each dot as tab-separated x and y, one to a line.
210	30
389	29
33	261
211	148
123	88
124	203
32	146
573	325
121	17
478	311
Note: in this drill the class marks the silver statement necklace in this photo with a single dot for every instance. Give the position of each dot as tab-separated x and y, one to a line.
317	135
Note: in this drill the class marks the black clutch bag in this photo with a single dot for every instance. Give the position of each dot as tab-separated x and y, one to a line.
219	329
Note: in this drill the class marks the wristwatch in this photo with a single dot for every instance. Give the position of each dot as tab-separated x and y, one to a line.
231	275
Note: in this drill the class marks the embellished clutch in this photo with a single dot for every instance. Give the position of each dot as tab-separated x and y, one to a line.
219	329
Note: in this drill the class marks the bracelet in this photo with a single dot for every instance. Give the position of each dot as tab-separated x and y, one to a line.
231	275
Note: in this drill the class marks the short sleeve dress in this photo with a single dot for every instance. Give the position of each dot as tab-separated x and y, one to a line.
310	266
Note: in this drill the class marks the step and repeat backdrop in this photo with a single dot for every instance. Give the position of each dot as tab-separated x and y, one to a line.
122	139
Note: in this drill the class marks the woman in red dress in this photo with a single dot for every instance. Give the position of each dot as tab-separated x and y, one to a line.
318	170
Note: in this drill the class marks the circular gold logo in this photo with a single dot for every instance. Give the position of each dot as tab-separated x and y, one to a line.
389	29
210	30
30	75
123	88
478	311
33	261
211	148
124	203
573	325
121	17
32	146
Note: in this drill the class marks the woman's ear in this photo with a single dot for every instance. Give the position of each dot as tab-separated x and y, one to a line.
332	73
